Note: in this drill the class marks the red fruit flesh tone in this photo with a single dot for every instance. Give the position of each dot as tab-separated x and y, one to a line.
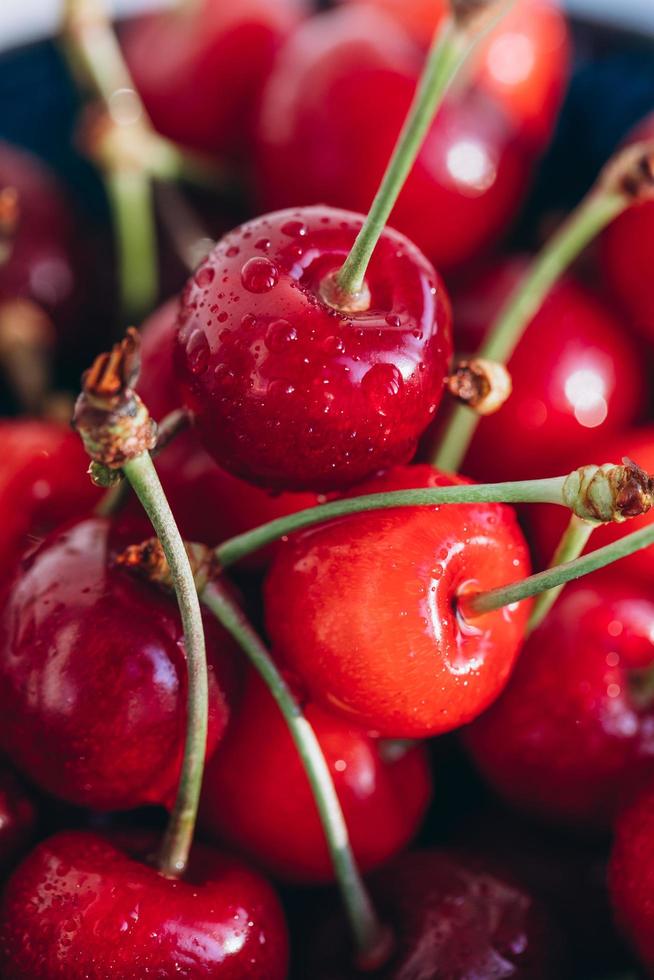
321	137
17	818
363	609
452	918
93	675
103	913
287	391
200	70
257	797
576	378
571	737
43	481
631	876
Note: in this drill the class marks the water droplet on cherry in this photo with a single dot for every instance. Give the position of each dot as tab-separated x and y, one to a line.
259	275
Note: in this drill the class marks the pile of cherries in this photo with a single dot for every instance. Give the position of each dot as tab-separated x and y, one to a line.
519	840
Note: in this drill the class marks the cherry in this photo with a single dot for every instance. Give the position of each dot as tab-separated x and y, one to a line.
523	64
453	917
287	391
258	771
624	251
17	817
93	675
576	378
631	875
43	481
104	913
321	137
200	69
570	737
364	610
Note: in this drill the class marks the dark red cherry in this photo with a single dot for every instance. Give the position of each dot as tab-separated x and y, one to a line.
625	251
631	876
256	795
17	818
102	913
321	137
43	482
364	610
200	70
93	675
289	393
576	378
571	736
453	917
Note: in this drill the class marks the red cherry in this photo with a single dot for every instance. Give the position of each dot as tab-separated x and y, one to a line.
93	675
625	251
200	70
453	918
631	876
258	771
570	736
101	913
523	64
43	482
17	818
321	137
287	391
363	609
575	378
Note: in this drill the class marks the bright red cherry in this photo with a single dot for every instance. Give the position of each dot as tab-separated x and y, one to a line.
571	736
625	251
256	795
43	482
523	64
576	377
101	912
321	137
453	917
631	876
200	69
290	393
17	818
364	610
93	675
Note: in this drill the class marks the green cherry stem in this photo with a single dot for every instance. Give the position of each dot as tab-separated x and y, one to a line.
173	856
131	197
372	939
454	42
573	541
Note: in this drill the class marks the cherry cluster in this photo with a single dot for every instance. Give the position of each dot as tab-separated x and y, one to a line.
341	413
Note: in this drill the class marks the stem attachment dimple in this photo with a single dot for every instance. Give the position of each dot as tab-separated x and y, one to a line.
480	384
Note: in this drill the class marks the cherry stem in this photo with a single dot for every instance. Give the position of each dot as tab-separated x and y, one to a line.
173	856
451	49
477	604
524	491
130	195
573	541
371	937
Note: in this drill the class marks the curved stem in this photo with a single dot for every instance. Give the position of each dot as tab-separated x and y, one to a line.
483	602
371	937
525	491
450	51
130	195
573	541
595	212
177	841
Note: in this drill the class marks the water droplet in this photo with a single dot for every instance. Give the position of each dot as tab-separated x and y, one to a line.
259	275
294	229
279	334
382	383
204	276
393	320
263	244
232	251
197	352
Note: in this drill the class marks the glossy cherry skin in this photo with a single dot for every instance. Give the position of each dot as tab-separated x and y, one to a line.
17	818
200	70
625	249
289	393
43	482
576	378
321	137
93	675
571	736
363	609
523	64
258	772
102	912
631	875
453	917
